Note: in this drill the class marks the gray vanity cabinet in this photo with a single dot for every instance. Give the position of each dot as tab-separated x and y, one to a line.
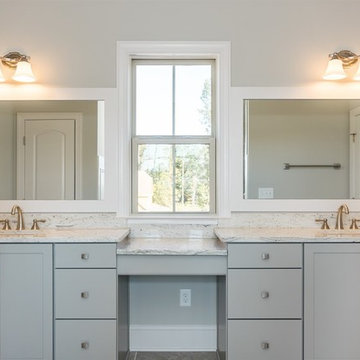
26	313
332	301
85	301
264	301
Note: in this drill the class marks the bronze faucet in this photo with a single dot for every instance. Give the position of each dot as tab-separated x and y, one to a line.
343	209
20	219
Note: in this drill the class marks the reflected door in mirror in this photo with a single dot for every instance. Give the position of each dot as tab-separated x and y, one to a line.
46	167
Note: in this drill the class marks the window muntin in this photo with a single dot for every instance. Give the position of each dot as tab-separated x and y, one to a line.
173	136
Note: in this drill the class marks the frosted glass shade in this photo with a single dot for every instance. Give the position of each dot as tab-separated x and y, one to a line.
2	79
24	72
357	74
334	70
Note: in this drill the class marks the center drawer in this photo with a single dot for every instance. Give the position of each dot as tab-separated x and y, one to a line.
264	293
85	293
85	255
264	255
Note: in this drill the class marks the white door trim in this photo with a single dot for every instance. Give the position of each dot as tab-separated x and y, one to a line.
20	149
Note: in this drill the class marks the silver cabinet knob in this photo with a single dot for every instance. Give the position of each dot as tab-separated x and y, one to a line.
84	294
265	345
85	345
85	256
265	256
265	294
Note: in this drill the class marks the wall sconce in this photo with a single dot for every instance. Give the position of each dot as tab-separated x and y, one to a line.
338	61
23	72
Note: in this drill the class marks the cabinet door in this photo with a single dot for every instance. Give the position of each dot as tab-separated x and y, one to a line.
332	301
26	301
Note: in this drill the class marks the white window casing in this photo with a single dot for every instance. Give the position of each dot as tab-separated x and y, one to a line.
218	51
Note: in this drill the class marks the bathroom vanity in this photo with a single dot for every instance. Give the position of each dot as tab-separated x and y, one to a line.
58	294
64	293
282	294
292	294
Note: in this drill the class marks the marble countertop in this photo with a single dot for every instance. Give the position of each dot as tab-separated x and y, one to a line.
64	235
252	235
171	246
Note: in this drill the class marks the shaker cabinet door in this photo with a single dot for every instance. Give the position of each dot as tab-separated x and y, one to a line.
332	301
26	301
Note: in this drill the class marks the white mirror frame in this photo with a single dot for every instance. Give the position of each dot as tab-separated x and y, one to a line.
109	96
318	90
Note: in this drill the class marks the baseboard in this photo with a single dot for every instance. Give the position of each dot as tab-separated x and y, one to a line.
173	338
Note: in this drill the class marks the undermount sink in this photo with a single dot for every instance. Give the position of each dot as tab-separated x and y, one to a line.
8	233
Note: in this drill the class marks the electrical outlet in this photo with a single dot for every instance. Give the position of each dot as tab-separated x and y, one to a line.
185	297
265	193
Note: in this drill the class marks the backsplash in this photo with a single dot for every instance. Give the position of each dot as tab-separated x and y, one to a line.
110	220
282	219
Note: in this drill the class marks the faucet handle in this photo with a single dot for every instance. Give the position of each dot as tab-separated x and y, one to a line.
354	225
35	225
6	224
325	225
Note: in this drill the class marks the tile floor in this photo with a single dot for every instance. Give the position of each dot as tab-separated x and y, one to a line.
173	356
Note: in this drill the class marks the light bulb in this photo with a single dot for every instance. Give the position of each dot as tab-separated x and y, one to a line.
24	72
2	79
334	70
357	74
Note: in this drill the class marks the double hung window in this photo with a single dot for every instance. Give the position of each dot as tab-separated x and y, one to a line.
173	136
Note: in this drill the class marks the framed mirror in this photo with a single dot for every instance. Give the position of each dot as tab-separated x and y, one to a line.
57	150
300	148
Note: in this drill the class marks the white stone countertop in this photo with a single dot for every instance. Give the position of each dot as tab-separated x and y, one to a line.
171	246
253	235
64	235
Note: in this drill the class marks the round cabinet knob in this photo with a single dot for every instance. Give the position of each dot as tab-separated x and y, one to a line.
265	345
84	294
265	294
85	345
85	256
265	256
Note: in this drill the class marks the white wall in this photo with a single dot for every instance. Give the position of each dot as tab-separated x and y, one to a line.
274	43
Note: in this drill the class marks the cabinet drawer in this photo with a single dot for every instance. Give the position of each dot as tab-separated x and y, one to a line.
85	339
85	293
85	255
264	339
264	255
265	293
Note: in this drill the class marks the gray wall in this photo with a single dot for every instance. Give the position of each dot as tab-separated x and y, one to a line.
155	300
299	132
274	43
8	111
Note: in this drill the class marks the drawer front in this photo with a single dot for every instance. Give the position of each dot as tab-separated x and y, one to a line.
85	255
85	293
265	293
264	339
264	255
85	339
